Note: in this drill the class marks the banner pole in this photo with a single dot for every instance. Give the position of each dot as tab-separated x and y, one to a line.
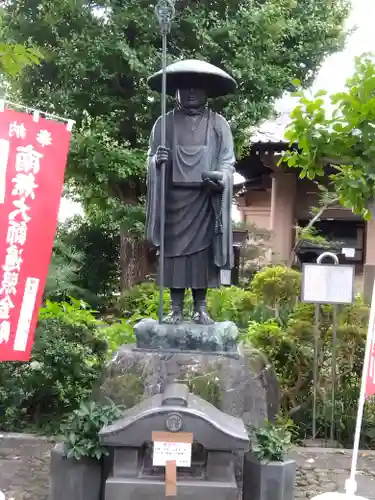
351	483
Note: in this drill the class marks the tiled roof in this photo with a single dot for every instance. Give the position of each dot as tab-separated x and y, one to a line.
271	131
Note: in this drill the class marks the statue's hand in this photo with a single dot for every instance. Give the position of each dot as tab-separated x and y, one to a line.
217	185
213	180
213	175
162	155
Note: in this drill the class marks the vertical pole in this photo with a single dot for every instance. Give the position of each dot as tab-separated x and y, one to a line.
350	483
162	177
164	11
319	260
315	367
333	370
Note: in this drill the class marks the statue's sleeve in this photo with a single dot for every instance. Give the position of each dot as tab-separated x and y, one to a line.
223	244
153	188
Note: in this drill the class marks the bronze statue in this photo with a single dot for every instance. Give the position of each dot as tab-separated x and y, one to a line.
199	159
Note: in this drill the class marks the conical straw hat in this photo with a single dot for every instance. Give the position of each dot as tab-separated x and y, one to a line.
196	74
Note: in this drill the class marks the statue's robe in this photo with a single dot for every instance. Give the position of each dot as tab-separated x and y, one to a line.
198	223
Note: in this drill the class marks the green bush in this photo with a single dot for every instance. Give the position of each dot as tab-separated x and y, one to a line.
231	304
116	334
271	442
290	349
224	304
67	359
277	285
141	301
81	431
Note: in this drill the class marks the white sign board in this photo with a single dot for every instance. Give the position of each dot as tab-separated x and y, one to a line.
225	276
327	284
348	252
178	452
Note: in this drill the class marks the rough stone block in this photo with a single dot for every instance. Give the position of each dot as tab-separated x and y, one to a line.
242	386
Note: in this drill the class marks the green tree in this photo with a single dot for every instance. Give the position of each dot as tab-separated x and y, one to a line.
15	57
98	272
100	54
341	136
64	269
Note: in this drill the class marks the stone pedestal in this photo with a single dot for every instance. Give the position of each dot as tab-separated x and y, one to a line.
218	337
241	384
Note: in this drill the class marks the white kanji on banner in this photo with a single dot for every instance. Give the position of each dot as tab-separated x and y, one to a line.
13	259
17	130
28	159
17	232
44	138
21	209
24	185
6	305
9	283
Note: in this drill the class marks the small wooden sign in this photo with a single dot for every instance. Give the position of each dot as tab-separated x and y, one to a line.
170	479
172	450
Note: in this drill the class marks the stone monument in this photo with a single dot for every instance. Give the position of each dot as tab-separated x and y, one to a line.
189	199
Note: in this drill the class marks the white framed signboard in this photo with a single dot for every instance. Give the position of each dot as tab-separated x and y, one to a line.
166	451
327	283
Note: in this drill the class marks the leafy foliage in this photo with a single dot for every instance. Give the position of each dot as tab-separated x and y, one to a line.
66	360
343	138
226	303
74	312
277	286
16	57
118	333
98	249
63	272
81	431
271	442
290	349
99	57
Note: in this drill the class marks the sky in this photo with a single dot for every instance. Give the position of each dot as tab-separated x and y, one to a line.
332	76
338	67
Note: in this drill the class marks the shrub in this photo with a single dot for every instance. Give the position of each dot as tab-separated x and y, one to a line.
291	359
277	285
225	304
271	442
118	333
141	301
290	349
81	431
67	358
231	304
74	312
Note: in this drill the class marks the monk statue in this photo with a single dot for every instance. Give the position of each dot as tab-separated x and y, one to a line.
199	158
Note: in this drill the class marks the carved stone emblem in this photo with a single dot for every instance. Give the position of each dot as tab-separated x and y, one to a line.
173	422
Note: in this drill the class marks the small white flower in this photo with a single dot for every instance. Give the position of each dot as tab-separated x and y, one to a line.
35	365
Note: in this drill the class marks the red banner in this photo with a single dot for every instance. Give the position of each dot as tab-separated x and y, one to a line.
33	155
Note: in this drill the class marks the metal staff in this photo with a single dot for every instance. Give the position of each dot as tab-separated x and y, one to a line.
164	11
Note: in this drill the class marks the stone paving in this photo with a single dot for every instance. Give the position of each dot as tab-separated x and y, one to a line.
24	469
323	469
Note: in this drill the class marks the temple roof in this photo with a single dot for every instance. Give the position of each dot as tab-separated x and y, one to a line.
270	134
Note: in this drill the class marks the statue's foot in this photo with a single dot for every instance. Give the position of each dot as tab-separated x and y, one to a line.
175	317
201	317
